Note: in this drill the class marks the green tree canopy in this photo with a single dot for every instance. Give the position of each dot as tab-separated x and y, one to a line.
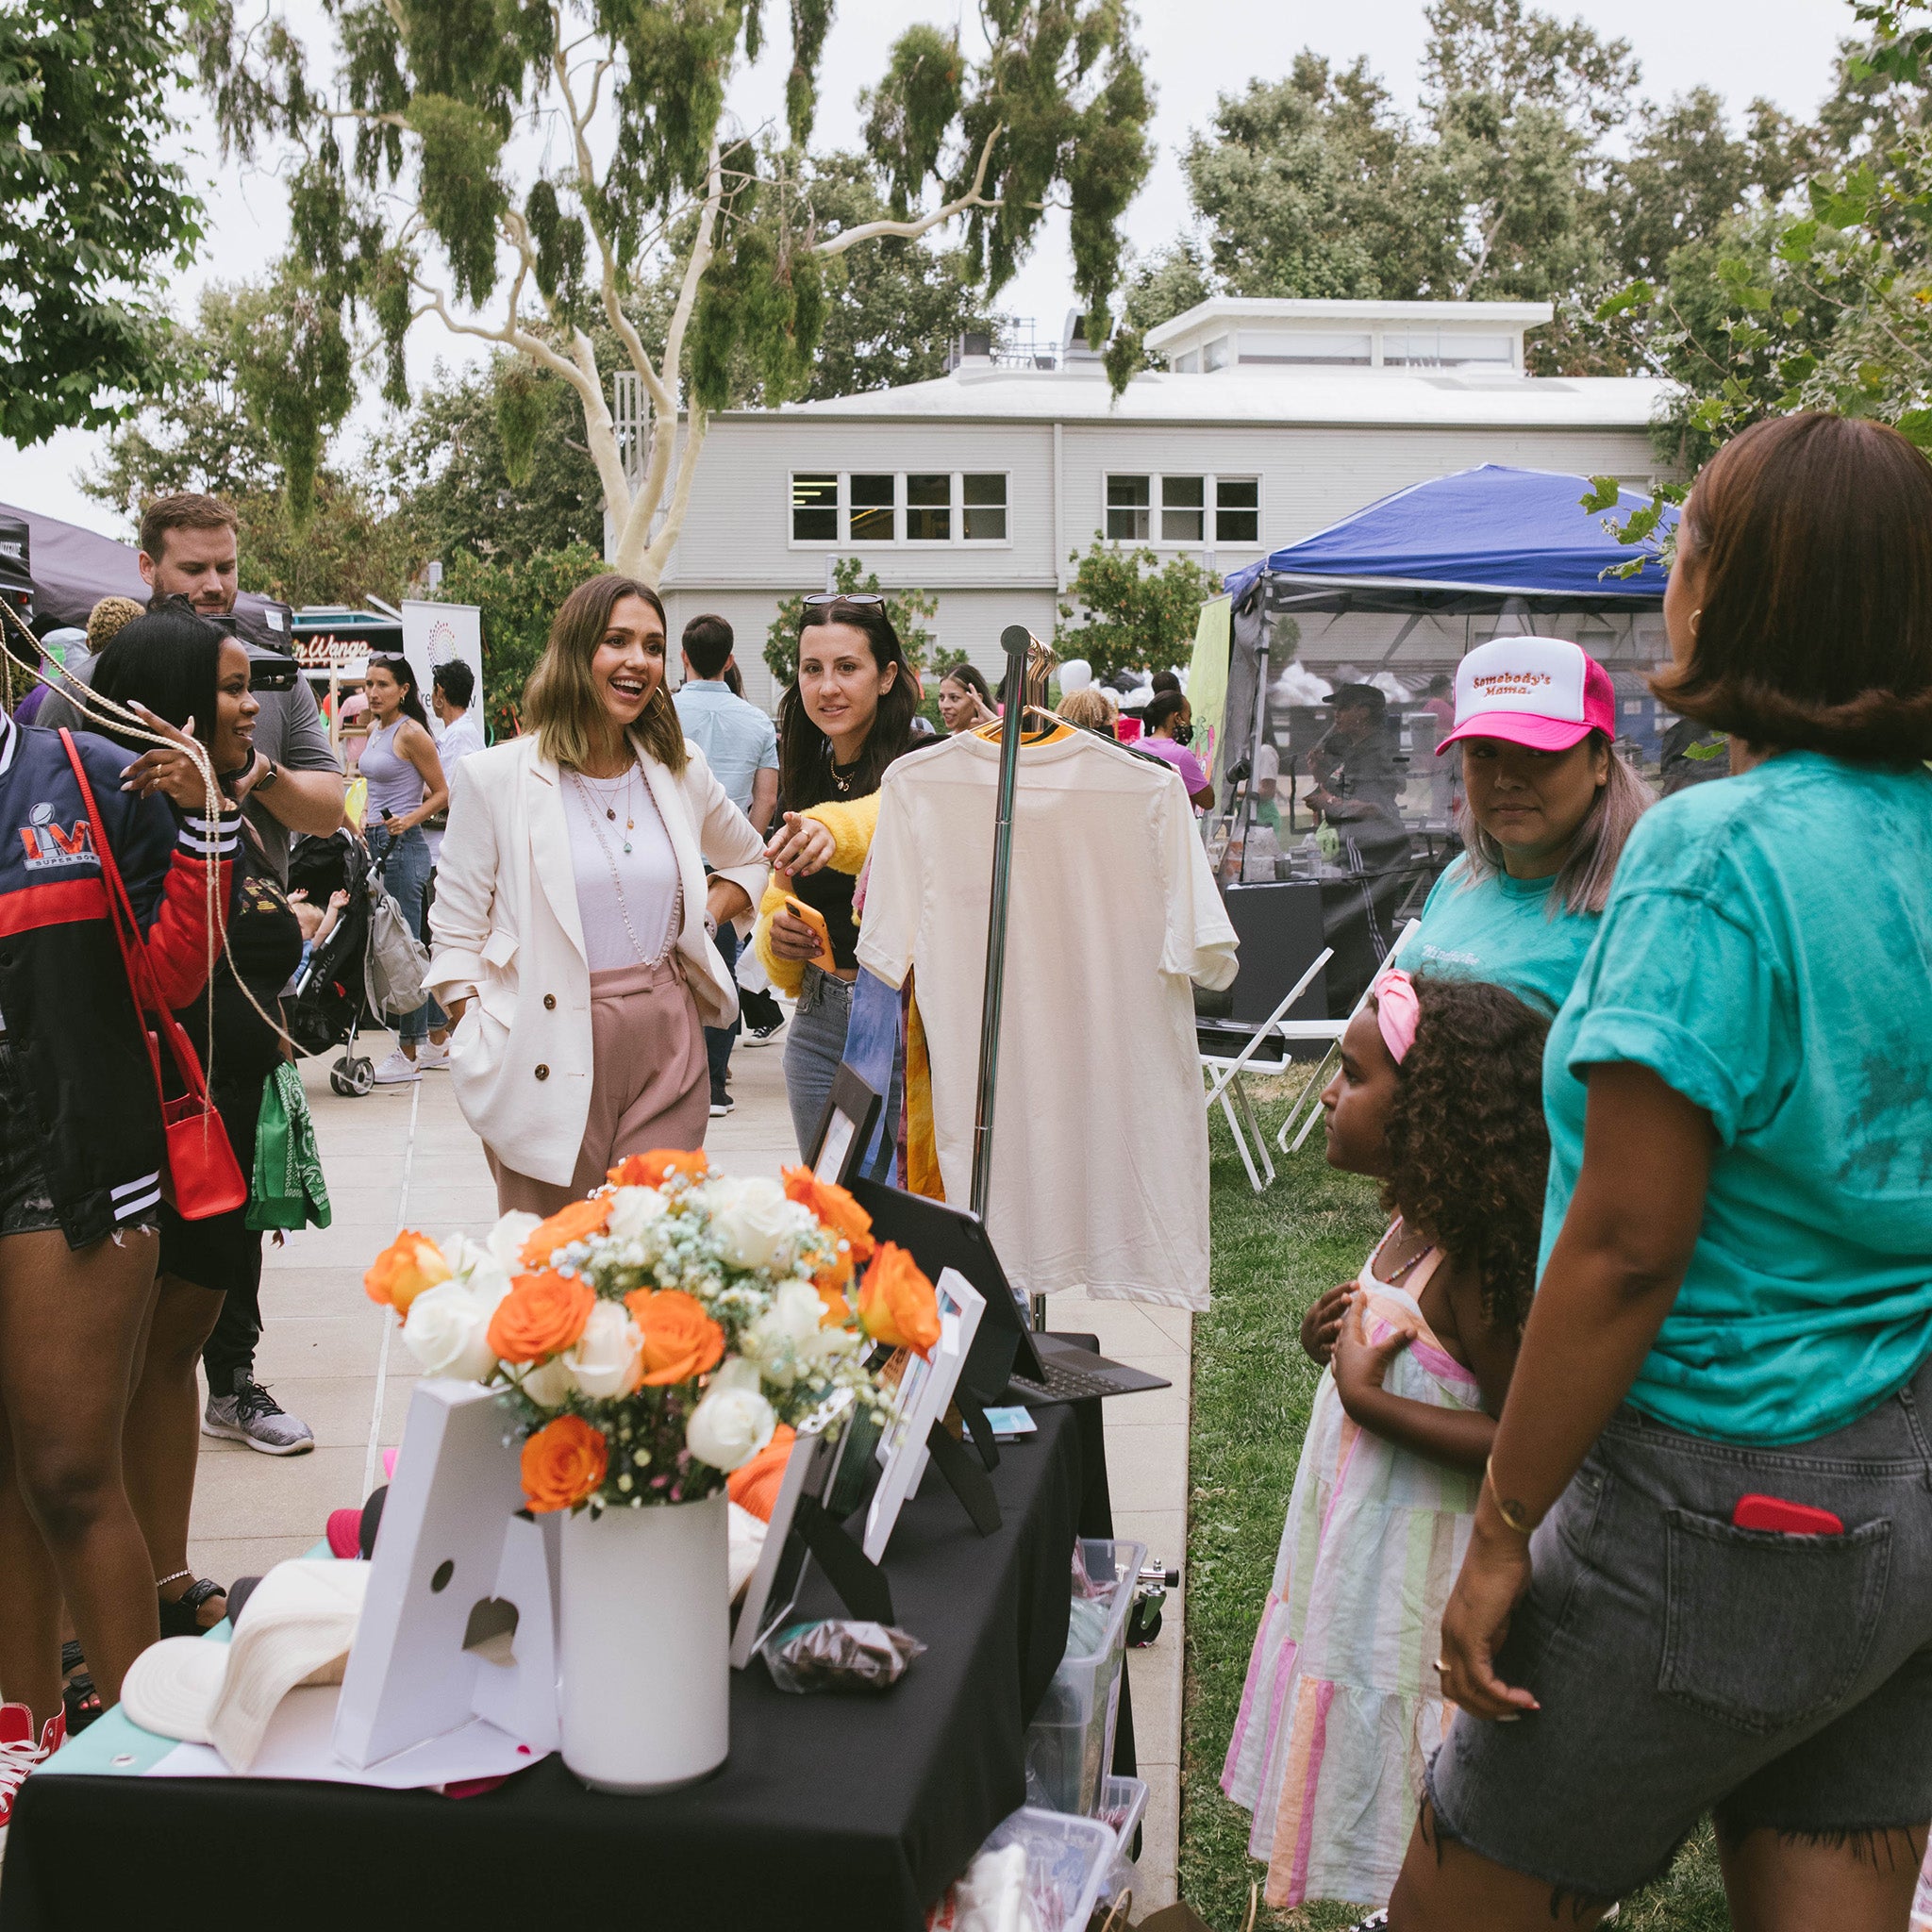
1130	610
91	216
417	188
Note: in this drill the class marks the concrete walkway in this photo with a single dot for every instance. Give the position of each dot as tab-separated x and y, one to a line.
404	1157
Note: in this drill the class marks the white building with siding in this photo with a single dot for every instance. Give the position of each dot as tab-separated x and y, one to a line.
1272	419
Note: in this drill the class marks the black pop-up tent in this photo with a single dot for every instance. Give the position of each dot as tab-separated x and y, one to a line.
1495	549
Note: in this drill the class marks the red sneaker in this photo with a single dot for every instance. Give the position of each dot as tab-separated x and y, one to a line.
18	1754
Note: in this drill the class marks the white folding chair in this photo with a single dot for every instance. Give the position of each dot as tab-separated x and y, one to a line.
1330	1030
1229	1089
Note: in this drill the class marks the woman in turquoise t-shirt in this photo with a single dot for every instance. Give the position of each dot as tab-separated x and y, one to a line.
1549	805
1705	1532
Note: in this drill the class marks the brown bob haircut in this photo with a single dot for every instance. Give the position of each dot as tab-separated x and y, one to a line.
561	701
187	511
1814	537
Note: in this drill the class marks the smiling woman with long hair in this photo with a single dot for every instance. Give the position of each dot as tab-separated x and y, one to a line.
209	1275
573	925
846	716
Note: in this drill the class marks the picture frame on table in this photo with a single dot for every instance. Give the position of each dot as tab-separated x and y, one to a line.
845	1128
926	1391
809	1472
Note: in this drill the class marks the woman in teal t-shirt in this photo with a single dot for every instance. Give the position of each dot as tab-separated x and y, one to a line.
1700	1568
1549	805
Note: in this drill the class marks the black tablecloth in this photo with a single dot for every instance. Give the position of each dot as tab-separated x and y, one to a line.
847	1813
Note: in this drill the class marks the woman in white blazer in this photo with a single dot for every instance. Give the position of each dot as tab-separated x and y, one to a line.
573	925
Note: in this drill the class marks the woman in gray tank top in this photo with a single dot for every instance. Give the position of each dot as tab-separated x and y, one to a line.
405	786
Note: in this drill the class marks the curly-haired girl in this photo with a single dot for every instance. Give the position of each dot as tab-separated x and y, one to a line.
1440	1097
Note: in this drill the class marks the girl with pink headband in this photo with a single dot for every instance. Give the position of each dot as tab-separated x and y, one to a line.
1440	1098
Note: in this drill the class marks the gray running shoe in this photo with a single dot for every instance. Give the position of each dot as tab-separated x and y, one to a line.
252	1415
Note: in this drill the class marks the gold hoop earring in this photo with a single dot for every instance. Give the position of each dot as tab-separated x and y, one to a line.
1695	616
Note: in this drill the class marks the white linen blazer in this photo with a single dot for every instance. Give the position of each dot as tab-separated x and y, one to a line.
506	934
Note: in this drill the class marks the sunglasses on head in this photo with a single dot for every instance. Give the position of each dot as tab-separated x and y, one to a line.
821	598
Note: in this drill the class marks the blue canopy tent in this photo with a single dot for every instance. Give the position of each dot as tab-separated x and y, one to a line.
1494	549
1474	540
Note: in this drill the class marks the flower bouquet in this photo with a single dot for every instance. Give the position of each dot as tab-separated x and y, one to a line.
652	1339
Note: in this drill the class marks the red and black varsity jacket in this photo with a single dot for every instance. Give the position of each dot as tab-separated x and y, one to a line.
70	1021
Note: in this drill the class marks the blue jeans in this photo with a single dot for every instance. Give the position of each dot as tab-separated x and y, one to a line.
405	863
814	1049
718	1039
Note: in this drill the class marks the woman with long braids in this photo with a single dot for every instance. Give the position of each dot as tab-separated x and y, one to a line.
184	670
846	716
573	926
81	1158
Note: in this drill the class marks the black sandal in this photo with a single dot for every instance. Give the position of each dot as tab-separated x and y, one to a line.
182	1618
79	1698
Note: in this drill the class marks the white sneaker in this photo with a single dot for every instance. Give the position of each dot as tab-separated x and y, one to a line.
430	1055
397	1071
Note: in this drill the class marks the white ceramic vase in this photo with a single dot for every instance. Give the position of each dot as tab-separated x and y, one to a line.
646	1664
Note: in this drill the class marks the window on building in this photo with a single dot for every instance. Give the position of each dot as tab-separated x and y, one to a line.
1183	509
815	509
929	508
874	500
1217	354
986	509
1130	509
1236	509
1446	349
1188	363
1288	345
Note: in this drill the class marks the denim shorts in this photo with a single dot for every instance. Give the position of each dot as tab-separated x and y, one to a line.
1685	1666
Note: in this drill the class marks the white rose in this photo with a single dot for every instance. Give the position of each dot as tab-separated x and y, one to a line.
606	1353
754	1220
796	1313
821	1352
547	1386
477	1269
445	1331
734	1420
505	1239
632	1209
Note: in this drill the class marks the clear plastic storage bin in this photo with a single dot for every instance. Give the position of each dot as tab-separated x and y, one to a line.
1068	1860
1070	1742
1122	1805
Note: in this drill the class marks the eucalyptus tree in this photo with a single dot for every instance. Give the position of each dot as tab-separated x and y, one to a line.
537	174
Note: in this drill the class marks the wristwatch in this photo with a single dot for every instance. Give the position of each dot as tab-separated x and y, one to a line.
267	781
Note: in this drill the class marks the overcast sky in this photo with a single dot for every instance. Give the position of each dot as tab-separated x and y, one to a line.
1780	48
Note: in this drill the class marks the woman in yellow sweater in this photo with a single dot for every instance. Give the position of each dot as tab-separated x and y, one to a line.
844	719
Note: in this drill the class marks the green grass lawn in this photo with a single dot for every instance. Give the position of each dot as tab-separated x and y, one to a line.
1273	1254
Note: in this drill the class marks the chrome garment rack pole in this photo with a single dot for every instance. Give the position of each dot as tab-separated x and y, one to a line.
1016	641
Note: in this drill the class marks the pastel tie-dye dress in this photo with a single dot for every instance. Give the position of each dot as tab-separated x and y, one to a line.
1342	1707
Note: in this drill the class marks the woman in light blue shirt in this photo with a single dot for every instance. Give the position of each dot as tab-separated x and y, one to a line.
1701	1568
1549	806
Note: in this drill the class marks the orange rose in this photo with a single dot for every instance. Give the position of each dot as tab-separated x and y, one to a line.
754	1485
409	1264
577	1222
831	1284
680	1339
654	1169
833	1207
896	1305
541	1316
564	1462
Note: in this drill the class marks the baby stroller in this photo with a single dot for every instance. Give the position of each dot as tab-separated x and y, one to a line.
343	984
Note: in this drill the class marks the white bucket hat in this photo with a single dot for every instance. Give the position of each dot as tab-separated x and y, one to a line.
295	1629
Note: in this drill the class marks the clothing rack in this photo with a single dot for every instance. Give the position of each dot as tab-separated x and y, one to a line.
1029	663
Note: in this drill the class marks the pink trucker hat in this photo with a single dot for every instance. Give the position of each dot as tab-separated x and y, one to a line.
1543	692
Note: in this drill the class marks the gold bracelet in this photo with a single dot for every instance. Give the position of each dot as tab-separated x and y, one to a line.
1512	1519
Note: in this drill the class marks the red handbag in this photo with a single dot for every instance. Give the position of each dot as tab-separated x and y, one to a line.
202	1178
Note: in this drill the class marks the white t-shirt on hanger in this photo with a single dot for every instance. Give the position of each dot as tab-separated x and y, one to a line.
1099	1136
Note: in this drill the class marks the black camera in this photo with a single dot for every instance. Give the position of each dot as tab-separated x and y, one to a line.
269	670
